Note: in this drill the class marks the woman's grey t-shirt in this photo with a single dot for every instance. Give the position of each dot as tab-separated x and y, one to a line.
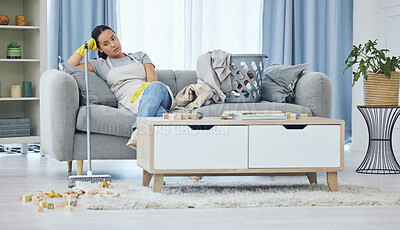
101	67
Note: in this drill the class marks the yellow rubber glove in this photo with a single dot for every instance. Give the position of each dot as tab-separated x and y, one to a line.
139	91
91	46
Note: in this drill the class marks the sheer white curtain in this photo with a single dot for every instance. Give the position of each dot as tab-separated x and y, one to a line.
175	32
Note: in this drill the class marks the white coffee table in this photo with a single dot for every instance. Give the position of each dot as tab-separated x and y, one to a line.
215	147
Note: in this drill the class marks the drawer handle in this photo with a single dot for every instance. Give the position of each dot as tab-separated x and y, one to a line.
201	127
294	126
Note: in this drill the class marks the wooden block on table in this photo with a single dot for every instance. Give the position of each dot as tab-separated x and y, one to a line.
194	116
43	204
40	208
185	116
178	116
292	116
303	116
166	115
171	117
58	206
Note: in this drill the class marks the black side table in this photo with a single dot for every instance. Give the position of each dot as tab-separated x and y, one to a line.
379	158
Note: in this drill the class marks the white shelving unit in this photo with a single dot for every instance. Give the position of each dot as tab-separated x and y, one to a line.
33	41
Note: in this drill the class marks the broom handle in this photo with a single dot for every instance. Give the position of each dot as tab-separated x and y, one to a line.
89	158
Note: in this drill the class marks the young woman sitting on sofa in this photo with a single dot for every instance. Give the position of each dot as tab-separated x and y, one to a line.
132	77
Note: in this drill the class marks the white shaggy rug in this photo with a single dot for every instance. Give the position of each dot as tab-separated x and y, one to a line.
186	194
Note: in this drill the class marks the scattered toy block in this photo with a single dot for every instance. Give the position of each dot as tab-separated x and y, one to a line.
43	204
58	206
194	116
50	206
166	116
72	197
35	200
42	198
171	117
116	195
303	116
40	208
292	116
26	198
69	208
98	195
178	116
64	203
72	203
185	116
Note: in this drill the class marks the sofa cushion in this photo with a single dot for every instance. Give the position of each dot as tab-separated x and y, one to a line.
167	77
184	78
106	120
278	82
99	92
216	110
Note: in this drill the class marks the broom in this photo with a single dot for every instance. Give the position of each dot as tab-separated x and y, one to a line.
89	177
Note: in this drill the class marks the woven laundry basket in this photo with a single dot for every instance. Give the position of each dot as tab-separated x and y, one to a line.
247	70
380	90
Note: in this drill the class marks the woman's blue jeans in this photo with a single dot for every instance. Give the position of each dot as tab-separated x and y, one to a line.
155	101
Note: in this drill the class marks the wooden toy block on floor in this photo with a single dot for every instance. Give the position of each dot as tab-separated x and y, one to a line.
64	203
69	208
43	204
50	205
40	209
35	200
72	203
116	195
26	198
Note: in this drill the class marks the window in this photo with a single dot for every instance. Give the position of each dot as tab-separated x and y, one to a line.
174	33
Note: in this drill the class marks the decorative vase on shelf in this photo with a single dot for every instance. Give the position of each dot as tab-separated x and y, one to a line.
4	20
20	20
13	51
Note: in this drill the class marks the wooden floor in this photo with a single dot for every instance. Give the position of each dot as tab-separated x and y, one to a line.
21	174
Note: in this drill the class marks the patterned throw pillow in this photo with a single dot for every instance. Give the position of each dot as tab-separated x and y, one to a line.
279	81
99	92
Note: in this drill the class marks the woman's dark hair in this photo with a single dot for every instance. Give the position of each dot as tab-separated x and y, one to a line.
96	33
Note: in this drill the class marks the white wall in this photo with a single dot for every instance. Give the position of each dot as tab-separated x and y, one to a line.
374	19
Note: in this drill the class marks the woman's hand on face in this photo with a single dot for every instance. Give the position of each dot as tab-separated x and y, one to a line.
91	46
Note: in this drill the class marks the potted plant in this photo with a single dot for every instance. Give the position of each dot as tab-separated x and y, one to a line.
14	50
381	81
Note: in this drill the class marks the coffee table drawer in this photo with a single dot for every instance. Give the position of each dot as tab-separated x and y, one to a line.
200	147
294	146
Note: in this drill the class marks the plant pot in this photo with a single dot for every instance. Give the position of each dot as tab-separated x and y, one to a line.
14	53
380	90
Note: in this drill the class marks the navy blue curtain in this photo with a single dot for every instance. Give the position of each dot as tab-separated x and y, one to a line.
70	23
319	32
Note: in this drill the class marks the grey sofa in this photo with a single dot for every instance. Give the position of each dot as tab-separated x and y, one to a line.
63	121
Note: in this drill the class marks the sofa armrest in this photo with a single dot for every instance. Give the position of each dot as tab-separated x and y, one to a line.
314	90
59	102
